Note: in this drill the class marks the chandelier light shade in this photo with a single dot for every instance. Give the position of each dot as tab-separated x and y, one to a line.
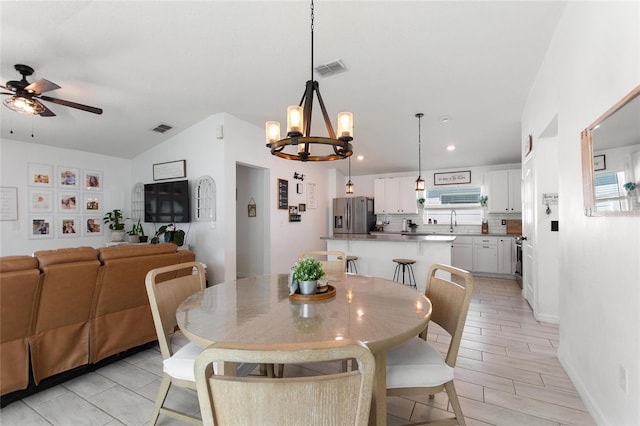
24	105
419	182
349	186
299	127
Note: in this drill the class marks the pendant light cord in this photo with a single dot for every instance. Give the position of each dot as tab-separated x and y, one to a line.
419	115
312	16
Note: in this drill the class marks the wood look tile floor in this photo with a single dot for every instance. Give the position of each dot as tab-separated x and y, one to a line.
507	374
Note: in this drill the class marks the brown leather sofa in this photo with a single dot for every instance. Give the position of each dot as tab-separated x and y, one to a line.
121	317
74	307
19	290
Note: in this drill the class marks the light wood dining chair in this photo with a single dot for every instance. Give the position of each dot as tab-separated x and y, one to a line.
417	368
340	398
326	258
164	299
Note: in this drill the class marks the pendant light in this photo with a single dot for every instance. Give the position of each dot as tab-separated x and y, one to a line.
349	186
299	126
419	181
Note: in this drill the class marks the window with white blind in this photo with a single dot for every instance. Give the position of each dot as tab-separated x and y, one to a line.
609	192
464	200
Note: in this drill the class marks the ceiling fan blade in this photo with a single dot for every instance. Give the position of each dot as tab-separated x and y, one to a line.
47	112
4	87
41	86
5	93
72	104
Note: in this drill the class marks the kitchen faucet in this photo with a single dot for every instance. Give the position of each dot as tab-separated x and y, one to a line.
451	223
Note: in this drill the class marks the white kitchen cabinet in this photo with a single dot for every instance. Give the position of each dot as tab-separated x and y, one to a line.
462	253
485	254
503	187
395	196
505	257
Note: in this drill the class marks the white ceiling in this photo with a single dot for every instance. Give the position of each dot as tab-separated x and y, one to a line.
177	62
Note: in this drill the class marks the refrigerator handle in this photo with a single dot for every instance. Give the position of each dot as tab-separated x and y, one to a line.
349	216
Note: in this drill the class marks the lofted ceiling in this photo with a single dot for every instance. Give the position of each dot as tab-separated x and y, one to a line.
177	62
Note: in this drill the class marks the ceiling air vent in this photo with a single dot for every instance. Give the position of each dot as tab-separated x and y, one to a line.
161	128
331	68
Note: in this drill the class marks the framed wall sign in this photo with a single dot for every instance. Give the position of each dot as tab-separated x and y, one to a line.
8	203
599	163
283	194
312	201
452	178
170	170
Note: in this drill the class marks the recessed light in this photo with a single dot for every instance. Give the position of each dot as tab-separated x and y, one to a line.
451	148
360	157
445	118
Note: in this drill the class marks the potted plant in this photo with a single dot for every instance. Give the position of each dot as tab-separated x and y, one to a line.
307	272
116	223
136	234
483	200
171	235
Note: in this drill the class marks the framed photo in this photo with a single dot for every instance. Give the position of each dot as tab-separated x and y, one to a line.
92	180
302	208
293	209
68	177
92	226
68	202
452	178
170	170
40	175
91	202
299	188
251	210
599	163
8	203
69	226
40	227
40	201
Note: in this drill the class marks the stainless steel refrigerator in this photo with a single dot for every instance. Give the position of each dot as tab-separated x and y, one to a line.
353	215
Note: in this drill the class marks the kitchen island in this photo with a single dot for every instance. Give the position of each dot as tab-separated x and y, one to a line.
376	252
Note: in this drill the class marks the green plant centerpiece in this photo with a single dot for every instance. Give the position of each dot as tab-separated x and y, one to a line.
307	272
171	235
115	220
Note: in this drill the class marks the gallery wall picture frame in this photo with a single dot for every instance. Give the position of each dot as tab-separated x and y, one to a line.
68	202
302	207
92	226
8	203
170	170
91	202
452	178
40	227
312	196
599	163
40	201
92	180
68	177
69	226
40	175
299	188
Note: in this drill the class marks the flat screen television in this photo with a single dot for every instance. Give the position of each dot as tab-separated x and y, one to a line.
167	202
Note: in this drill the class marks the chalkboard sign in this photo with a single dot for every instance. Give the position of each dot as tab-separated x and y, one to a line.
283	194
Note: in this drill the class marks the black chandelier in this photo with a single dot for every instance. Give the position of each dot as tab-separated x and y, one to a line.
299	126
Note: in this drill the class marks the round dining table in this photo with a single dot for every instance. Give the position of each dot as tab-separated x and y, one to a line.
378	312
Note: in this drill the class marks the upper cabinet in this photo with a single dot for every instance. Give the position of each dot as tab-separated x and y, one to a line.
503	188
395	196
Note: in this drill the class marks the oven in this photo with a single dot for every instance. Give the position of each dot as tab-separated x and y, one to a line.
517	254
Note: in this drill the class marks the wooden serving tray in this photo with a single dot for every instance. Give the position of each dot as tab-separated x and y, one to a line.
331	292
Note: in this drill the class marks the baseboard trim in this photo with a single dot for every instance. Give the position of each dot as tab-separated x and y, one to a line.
587	399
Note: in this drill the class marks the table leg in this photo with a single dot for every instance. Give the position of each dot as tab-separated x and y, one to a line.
378	414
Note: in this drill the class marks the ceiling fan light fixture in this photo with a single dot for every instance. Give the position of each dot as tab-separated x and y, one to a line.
299	126
24	105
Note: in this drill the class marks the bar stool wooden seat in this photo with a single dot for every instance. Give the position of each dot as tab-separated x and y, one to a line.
405	264
352	265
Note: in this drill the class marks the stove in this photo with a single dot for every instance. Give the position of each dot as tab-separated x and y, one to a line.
517	253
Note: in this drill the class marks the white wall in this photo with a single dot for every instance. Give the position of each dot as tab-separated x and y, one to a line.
215	243
592	62
250	231
14	159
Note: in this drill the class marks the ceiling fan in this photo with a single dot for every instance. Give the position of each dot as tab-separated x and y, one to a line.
25	96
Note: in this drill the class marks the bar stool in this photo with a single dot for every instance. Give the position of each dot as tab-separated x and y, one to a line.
406	266
352	265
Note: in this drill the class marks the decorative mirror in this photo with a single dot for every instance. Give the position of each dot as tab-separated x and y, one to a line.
611	160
